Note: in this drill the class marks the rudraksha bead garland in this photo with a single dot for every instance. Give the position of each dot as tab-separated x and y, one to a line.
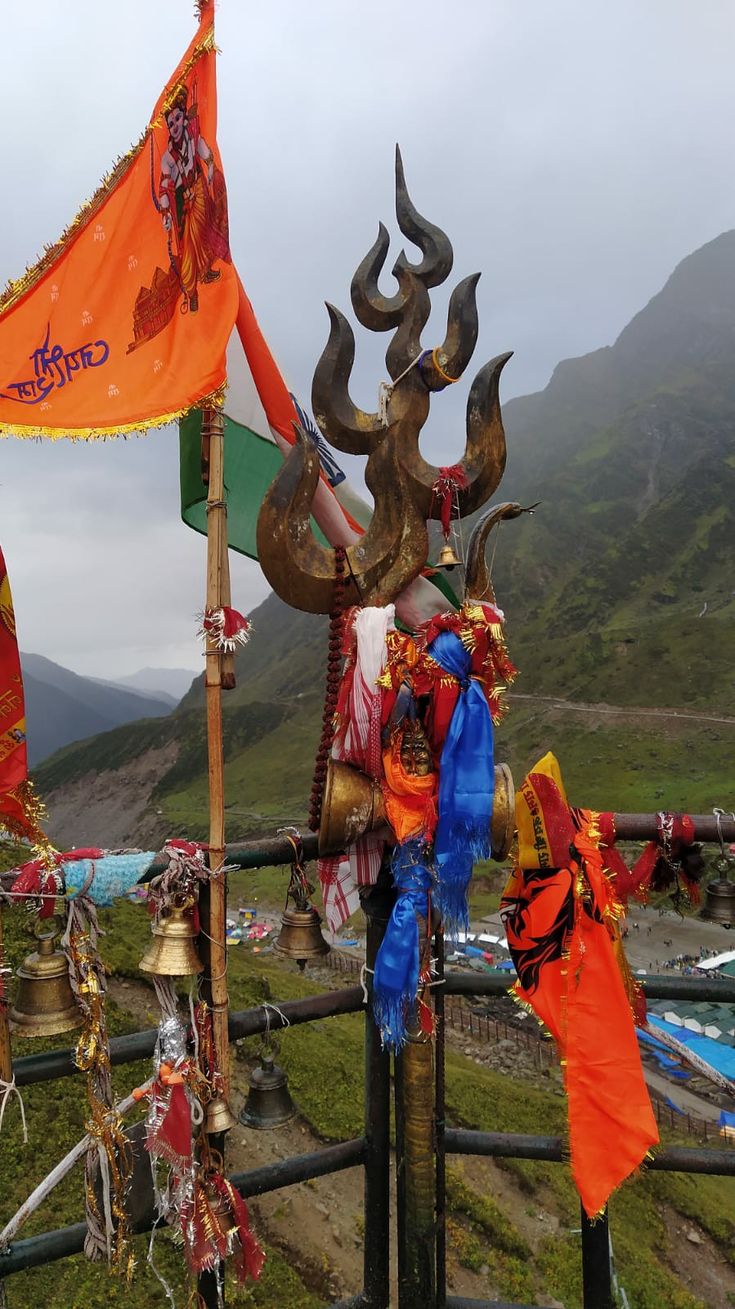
334	660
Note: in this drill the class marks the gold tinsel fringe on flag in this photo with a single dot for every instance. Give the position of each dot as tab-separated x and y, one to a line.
212	400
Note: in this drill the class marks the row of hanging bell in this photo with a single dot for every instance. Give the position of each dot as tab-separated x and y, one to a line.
45	1004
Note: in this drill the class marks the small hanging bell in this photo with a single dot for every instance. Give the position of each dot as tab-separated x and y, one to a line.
172	952
719	905
300	937
269	1102
447	557
45	1004
218	1117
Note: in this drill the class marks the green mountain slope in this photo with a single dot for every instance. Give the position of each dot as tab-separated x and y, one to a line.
618	590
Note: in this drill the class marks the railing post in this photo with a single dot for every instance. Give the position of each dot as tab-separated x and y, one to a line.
441	1166
377	903
416	1165
596	1269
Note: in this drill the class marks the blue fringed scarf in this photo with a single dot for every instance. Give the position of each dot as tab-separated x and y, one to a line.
396	979
466	784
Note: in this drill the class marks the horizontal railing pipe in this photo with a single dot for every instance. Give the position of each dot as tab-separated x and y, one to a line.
655	987
270	851
301	1168
49	1065
64	1241
644	827
550	1149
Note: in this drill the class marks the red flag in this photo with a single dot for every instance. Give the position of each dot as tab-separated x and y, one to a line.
20	808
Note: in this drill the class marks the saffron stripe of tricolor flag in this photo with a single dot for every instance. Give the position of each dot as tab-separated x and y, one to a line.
259	416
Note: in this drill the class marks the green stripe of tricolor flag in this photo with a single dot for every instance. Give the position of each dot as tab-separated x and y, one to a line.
251	463
259	417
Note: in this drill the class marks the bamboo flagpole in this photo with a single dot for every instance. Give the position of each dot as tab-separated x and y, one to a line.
214	907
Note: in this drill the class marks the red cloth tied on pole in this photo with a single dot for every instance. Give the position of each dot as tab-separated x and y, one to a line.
671	856
561	921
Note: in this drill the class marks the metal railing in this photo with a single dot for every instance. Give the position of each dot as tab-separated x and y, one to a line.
371	1151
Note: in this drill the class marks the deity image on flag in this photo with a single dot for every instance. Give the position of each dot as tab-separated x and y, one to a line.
193	200
123	323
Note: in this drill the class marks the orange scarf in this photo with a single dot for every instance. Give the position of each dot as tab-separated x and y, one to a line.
410	800
561	920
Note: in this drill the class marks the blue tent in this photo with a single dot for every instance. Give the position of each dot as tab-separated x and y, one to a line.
718	1056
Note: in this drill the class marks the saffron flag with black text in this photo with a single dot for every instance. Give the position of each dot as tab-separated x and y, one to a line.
123	323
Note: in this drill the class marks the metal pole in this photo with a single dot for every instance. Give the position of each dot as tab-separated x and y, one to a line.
377	903
441	1162
416	1169
596	1271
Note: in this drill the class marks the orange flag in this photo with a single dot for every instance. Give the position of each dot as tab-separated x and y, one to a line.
124	322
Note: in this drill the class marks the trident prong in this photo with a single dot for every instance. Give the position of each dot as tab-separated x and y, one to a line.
380	563
395	547
477	580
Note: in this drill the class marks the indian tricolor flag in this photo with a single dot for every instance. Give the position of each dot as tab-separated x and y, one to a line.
259	416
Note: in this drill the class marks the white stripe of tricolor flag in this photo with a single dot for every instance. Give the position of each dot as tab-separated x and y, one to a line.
258	399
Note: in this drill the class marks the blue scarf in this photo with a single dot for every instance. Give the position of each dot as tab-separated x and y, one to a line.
466	784
396	979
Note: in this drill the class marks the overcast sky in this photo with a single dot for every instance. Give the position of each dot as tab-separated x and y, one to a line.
573	150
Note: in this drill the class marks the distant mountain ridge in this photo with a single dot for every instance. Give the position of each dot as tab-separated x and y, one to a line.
618	590
62	707
173	682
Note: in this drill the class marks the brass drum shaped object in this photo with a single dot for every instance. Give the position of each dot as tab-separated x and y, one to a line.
218	1117
719	906
503	821
45	1004
352	804
269	1102
172	952
300	937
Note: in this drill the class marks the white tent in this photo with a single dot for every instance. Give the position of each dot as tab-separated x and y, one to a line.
717	960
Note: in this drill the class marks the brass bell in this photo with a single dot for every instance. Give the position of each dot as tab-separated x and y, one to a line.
45	1004
218	1117
351	805
171	952
719	904
447	557
300	937
269	1102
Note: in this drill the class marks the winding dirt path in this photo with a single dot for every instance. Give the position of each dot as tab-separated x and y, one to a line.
621	711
